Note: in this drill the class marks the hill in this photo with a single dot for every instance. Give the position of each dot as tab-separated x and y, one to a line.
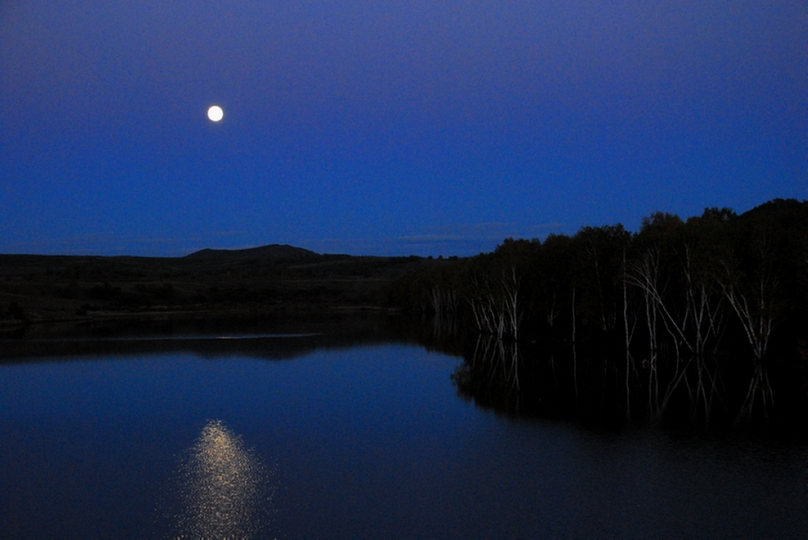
277	252
256	281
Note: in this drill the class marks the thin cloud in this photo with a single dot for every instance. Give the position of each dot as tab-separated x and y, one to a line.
111	244
456	239
482	231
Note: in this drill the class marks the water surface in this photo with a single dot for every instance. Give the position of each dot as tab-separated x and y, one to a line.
364	441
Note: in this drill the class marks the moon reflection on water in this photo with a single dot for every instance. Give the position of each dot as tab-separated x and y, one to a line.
224	489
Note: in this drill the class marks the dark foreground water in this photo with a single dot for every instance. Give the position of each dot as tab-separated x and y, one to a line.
367	441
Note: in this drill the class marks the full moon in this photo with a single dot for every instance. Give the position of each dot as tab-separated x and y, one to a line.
215	113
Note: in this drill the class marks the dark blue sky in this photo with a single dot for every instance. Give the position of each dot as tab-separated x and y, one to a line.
388	127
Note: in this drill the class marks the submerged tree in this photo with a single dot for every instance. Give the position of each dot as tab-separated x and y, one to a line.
679	295
752	273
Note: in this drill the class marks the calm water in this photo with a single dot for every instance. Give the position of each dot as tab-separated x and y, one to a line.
365	441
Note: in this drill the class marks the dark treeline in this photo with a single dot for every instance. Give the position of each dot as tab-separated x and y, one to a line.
707	314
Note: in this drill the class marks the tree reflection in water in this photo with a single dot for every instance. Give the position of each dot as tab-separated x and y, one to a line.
491	375
224	488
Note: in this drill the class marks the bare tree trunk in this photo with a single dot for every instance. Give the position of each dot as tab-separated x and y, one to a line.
757	316
690	329
574	347
510	287
496	306
645	277
552	312
594	253
628	334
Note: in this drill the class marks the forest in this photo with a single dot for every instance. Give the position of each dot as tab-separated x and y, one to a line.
703	317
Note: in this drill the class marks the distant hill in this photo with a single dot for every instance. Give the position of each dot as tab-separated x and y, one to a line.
270	252
208	283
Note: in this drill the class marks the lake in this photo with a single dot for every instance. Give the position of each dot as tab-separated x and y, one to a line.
312	434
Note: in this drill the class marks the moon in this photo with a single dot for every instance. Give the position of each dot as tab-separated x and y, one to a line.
215	113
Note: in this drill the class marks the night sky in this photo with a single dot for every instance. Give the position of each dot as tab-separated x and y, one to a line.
428	127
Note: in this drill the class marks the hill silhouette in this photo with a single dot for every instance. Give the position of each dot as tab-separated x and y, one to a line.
208	283
270	252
